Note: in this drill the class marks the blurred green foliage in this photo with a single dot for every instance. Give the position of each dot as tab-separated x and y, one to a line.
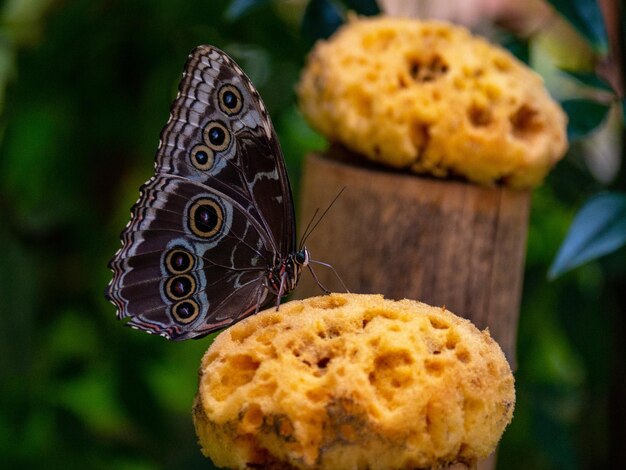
84	88
586	17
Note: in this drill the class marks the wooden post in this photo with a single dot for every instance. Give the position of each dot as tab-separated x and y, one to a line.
441	242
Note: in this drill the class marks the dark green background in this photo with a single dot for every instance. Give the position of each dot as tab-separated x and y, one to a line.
87	86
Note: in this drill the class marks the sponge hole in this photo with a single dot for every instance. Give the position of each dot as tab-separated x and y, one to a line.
316	395
372	313
434	367
328	302
438	323
323	362
526	123
241	332
463	355
452	339
253	417
419	133
242	369
266	336
479	116
423	71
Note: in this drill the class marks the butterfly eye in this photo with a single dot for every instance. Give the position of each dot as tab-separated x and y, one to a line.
216	136
301	257
202	157
230	100
206	218
186	311
179	261
180	287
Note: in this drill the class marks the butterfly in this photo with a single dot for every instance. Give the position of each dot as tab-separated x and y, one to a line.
212	237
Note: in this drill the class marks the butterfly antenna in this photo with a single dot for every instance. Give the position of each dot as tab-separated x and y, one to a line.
304	234
304	237
333	270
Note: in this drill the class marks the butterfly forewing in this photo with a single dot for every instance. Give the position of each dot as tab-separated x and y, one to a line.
215	217
215	96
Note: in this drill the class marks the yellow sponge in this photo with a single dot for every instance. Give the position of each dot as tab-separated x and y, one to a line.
431	97
352	381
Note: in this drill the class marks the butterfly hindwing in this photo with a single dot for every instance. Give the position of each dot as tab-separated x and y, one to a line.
173	253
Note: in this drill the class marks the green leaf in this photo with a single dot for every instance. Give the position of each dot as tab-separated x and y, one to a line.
589	79
239	8
321	19
517	46
586	17
364	7
584	116
598	229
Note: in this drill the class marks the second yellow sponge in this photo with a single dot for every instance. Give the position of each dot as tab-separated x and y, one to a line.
431	97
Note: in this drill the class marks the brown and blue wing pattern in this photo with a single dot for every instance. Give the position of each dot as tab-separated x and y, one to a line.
215	217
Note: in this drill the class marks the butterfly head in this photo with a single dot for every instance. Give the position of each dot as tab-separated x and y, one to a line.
302	257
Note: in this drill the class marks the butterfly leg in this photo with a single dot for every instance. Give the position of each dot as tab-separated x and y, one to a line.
330	266
260	298
281	290
321	286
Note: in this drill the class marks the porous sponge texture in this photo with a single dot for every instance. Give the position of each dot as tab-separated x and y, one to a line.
431	97
352	381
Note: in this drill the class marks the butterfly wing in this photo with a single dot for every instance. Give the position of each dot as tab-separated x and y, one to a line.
215	216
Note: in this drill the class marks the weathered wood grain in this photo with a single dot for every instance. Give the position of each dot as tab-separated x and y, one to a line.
441	242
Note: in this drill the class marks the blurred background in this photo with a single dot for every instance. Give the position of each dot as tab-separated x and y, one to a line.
85	87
